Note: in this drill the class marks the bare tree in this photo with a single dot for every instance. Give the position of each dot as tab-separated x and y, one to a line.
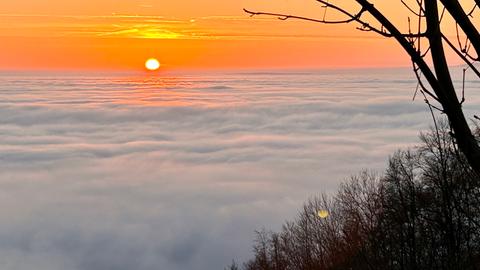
434	78
423	212
233	266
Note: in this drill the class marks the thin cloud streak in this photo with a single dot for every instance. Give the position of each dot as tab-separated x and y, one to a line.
139	26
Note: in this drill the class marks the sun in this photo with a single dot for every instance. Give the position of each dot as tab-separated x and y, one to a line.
152	64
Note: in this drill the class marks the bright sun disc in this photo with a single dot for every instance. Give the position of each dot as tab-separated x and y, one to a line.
152	64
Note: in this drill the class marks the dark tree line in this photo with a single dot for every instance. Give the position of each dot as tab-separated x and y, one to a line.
424	36
423	212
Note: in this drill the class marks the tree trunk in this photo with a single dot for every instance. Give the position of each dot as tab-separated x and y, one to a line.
446	91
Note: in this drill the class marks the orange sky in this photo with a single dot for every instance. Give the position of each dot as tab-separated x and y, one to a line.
121	34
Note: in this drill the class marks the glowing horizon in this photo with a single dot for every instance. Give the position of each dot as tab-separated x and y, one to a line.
119	36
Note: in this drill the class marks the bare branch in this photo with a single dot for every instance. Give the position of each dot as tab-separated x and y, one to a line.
365	26
474	69
456	10
420	83
418	14
469	14
463	86
285	17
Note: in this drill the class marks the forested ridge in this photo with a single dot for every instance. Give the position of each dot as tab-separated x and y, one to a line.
423	212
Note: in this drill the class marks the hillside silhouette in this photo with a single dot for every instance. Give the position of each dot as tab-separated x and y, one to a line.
423	212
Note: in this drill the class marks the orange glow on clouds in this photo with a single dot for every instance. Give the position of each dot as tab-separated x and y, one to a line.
120	35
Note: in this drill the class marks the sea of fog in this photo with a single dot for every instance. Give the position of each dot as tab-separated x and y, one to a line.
177	170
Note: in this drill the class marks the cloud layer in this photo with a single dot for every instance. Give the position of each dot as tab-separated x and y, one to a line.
134	172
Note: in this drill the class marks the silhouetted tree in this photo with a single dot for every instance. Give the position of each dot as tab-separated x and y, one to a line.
441	94
422	213
233	266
